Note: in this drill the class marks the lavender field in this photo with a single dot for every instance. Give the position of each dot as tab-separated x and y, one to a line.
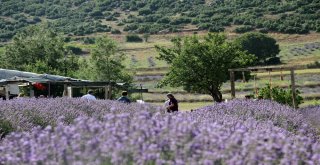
74	131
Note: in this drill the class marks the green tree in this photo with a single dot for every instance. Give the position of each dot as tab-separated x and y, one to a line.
39	49
106	63
202	65
260	45
146	36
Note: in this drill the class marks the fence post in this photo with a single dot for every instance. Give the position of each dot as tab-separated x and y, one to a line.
6	89
108	92
65	90
233	91
293	88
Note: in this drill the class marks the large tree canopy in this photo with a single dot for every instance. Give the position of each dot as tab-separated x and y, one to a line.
202	65
105	63
260	45
38	49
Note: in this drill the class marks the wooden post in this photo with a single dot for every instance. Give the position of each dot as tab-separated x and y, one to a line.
49	89
69	92
109	92
31	92
281	75
233	91
293	88
65	90
6	89
243	77
106	95
141	96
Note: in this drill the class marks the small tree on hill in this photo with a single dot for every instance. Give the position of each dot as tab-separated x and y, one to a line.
146	36
105	63
202	66
260	45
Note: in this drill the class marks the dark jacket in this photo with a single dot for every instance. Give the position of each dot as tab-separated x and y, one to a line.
124	99
175	106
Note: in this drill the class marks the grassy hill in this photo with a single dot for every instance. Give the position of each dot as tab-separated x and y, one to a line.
83	17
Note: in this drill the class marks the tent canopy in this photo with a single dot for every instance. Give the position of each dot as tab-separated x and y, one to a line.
14	76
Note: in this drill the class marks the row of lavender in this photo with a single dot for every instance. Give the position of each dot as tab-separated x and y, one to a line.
105	132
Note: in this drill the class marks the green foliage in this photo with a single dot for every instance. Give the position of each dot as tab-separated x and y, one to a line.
74	50
145	11
146	37
202	66
280	95
133	38
115	31
86	17
243	29
105	63
260	45
5	128
89	40
39	49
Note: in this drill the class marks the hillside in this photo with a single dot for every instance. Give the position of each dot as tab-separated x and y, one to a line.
83	17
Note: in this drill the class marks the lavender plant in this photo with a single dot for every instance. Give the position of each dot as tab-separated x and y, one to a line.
106	132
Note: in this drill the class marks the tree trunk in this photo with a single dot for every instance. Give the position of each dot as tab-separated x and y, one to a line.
217	96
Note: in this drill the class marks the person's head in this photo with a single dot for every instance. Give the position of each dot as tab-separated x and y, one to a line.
42	96
124	93
90	92
170	96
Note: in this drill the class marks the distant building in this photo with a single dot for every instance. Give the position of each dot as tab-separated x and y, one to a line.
51	85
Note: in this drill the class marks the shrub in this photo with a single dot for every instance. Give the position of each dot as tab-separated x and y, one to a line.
243	29
316	64
115	31
131	27
5	128
264	30
273	61
89	40
280	95
133	38
120	24
145	11
75	50
216	29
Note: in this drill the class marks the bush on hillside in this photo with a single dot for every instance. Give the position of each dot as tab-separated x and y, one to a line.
74	50
115	31
243	29
133	38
